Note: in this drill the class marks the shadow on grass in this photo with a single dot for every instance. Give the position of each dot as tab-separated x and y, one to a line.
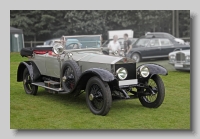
80	100
62	97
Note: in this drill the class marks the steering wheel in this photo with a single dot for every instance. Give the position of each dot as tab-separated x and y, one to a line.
73	46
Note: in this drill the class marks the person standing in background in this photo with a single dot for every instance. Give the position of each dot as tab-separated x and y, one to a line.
63	41
114	45
127	44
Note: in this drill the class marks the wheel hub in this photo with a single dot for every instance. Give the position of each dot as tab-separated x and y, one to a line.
64	78
91	97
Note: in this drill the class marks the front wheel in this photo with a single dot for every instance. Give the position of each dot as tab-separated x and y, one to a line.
156	93
98	96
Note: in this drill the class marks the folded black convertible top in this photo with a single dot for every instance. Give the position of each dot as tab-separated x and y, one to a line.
29	51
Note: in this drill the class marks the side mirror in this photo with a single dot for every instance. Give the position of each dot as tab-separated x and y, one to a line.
58	48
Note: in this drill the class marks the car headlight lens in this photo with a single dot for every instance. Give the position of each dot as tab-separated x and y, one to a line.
122	73
187	58
144	71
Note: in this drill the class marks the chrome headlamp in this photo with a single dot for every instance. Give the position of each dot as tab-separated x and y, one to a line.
144	71
172	58
187	58
122	73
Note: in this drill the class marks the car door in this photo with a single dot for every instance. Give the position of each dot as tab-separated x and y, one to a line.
39	60
52	65
153	49
166	47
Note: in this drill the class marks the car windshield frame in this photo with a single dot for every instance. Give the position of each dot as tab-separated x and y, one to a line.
83	42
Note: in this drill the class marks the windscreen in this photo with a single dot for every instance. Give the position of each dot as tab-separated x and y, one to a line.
82	42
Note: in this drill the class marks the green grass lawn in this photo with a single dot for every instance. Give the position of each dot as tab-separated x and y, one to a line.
49	111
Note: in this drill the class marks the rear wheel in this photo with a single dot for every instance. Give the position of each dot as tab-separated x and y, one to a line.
28	87
155	99
98	96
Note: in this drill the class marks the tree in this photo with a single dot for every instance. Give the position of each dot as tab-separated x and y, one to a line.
35	23
184	23
47	24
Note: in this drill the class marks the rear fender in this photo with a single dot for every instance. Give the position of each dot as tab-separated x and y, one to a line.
32	68
132	52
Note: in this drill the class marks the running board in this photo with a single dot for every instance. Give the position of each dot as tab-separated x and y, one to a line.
42	84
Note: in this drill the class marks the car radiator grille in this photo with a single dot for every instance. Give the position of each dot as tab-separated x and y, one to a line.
180	57
131	69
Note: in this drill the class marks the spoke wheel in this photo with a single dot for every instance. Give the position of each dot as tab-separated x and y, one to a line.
70	75
98	96
28	87
152	97
156	93
69	78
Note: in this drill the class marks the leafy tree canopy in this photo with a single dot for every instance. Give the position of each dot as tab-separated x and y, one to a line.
46	24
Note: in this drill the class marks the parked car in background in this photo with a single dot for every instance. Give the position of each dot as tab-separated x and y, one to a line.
102	78
133	41
180	59
152	47
165	35
121	41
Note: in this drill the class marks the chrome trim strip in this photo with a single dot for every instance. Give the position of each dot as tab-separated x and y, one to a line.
155	56
128	82
80	50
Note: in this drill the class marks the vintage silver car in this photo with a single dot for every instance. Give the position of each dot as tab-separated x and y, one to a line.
103	78
180	59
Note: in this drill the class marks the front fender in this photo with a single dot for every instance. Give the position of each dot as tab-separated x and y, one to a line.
153	69
104	75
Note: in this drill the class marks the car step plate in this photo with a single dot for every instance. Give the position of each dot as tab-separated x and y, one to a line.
42	84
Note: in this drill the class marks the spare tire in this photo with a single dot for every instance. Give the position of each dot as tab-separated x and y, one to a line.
70	75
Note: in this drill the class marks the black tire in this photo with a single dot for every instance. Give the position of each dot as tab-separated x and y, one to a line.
136	57
28	87
98	96
159	89
70	75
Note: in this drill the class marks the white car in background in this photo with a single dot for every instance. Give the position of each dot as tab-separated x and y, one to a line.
180	59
